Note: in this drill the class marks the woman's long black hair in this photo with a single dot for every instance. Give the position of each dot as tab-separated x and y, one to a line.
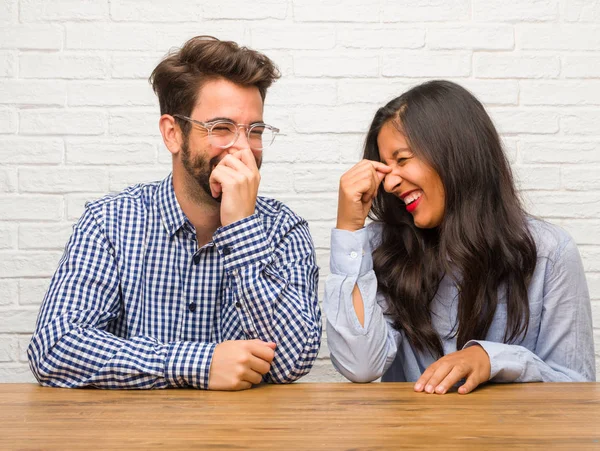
483	242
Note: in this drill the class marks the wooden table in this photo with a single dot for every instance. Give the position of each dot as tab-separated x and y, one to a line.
302	416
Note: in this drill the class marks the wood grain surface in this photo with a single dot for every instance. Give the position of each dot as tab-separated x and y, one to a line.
302	416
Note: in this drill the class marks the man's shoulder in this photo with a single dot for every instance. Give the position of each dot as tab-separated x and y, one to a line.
134	199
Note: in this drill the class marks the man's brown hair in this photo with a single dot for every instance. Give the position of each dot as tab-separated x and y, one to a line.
179	76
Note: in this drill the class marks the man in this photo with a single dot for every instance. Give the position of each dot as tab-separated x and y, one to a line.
195	280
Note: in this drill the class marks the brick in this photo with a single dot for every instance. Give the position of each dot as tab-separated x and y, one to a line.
44	236
31	208
27	264
234	9
24	150
7	63
62	180
318	11
42	37
12	373
32	92
122	178
62	122
515	10
322	207
561	205
280	117
510	148
581	66
497	65
284	62
133	122
8	180
558	37
321	233
8	349
62	10
133	65
155	11
302	92
560	92
386	36
537	177
581	178
582	11
475	37
584	231
315	148
338	65
32	291
556	151
341	119
168	36
314	180
8	236
8	120
583	122
590	255
430	64
294	37
276	178
425	11
121	93
593	281
371	90
110	152
17	321
76	203
510	121
8	12
165	157
23	344
9	291
110	36
64	65
492	92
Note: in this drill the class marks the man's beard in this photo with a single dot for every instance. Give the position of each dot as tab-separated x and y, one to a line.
200	169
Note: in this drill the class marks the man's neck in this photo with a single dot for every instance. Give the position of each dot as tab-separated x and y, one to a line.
203	212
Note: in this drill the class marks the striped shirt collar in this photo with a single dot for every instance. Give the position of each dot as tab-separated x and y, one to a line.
171	214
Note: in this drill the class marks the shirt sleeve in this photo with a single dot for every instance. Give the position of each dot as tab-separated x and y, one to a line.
275	279
360	353
564	351
71	346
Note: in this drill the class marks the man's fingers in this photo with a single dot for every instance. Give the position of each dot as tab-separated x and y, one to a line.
261	350
252	376
259	365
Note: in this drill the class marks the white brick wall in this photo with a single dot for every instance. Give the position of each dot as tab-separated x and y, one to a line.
78	118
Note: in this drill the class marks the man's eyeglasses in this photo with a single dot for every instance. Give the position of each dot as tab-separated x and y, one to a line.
224	134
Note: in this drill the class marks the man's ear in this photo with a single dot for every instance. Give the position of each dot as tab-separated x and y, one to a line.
171	133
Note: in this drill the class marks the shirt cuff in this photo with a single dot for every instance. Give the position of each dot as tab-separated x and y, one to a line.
350	252
502	360
188	364
242	243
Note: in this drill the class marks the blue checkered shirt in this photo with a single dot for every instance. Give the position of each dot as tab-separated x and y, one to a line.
135	304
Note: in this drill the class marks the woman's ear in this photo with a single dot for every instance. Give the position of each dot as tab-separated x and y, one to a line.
171	133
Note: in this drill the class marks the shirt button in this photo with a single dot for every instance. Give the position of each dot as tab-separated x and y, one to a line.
192	307
353	254
196	259
238	304
226	250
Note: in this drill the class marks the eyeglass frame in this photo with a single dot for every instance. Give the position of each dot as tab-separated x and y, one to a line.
210	125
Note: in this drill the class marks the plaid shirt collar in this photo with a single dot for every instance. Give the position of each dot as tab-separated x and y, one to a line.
172	216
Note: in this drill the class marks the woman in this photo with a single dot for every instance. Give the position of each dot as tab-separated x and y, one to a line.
453	281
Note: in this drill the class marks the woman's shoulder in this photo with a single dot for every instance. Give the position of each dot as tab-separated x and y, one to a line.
551	240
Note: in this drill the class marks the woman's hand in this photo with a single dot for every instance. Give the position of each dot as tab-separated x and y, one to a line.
358	187
472	363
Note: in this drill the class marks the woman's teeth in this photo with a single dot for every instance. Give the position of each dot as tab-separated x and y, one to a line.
412	197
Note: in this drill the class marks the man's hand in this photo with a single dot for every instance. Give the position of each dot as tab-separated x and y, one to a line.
358	187
236	179
238	364
472	363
